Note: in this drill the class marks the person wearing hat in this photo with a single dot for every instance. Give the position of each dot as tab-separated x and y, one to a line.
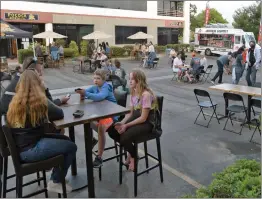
253	63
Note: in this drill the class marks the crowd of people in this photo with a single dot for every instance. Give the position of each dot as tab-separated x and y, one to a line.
244	59
239	61
197	65
30	111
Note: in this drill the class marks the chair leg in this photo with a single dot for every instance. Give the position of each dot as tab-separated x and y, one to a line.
201	111
146	156
100	173
5	176
45	184
215	108
1	165
227	121
38	176
63	181
210	119
159	159
135	170
116	150
19	187
120	164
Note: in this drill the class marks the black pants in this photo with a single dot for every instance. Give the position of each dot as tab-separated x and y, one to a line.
127	138
219	72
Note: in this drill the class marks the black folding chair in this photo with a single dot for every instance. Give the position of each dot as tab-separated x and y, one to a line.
235	108
155	62
206	73
205	104
256	103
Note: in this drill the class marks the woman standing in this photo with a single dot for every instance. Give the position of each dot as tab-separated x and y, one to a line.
140	120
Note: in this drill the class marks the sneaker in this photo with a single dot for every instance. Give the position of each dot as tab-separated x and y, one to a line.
94	142
57	187
98	162
212	82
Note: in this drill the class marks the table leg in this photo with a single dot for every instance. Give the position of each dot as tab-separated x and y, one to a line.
72	138
78	177
226	106
249	108
89	160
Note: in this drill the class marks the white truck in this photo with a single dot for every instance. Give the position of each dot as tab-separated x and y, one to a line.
219	40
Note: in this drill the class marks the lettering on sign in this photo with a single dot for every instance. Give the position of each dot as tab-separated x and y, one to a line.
214	31
21	16
174	24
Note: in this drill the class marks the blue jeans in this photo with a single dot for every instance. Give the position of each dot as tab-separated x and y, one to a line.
251	72
48	148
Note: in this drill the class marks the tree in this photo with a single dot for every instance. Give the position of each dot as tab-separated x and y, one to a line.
248	18
199	20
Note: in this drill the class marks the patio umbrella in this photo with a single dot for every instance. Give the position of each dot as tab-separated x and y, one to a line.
47	35
96	35
9	31
140	35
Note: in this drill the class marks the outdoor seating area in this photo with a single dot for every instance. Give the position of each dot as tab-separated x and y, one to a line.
113	175
234	104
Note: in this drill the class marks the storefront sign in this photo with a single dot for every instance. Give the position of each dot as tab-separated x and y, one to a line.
174	24
21	16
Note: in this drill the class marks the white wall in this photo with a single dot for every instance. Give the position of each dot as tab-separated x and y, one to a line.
151	12
71	9
186	31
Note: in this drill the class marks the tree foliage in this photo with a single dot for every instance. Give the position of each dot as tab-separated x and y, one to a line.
248	18
199	20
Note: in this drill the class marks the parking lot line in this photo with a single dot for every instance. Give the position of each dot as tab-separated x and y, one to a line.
175	172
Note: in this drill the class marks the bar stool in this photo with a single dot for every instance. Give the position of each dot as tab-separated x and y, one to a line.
153	135
121	98
4	154
24	169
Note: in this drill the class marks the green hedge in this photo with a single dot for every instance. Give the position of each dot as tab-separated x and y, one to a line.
23	53
74	47
240	180
68	52
128	48
160	49
178	47
117	51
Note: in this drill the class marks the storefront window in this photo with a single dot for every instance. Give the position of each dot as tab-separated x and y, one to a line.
167	36
122	32
73	32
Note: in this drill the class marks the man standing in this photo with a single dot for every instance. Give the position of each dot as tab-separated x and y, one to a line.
223	61
253	63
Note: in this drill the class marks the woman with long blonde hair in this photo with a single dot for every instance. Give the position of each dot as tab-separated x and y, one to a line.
139	122
27	115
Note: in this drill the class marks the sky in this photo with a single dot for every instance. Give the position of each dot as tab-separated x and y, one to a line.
226	8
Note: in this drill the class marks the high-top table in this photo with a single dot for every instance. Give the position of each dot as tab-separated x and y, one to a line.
93	111
239	89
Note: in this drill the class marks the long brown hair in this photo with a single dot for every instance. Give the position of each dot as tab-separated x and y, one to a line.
140	79
29	101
